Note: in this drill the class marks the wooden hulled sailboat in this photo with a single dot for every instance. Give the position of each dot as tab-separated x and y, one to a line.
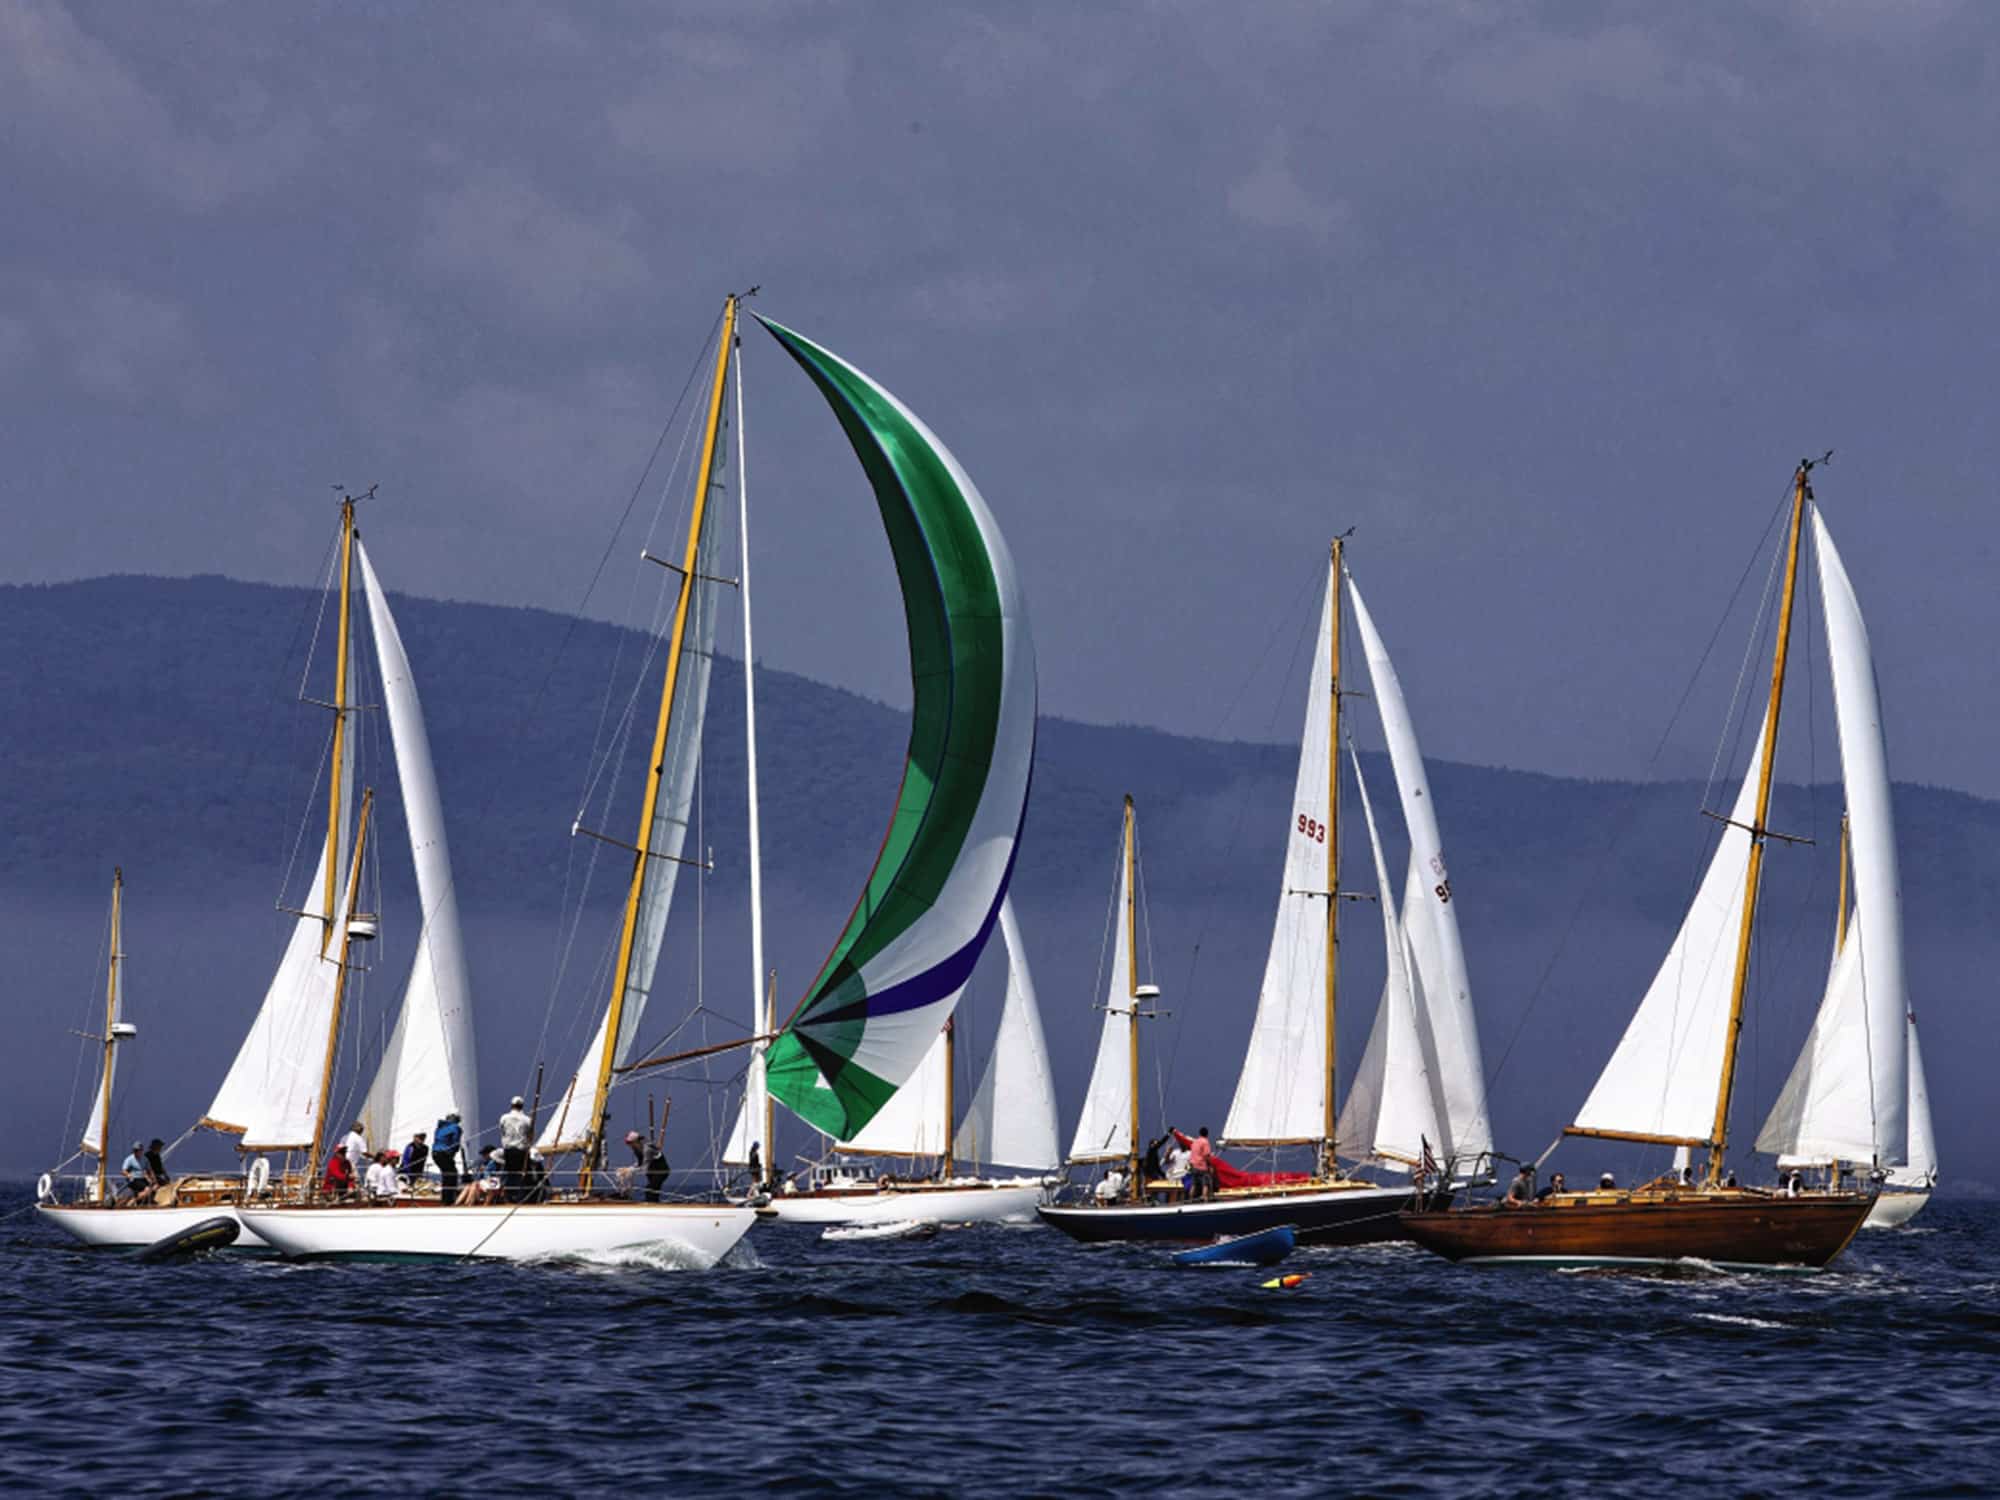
275	1097
1670	1080
925	914
1011	1121
1418	1090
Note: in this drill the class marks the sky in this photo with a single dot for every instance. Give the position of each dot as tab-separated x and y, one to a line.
1544	300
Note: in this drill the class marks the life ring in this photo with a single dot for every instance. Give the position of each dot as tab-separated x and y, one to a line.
45	1188
260	1175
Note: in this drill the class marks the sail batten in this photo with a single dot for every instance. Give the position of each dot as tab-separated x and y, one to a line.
933	897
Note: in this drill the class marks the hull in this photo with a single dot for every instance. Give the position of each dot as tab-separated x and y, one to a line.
1320	1216
1896	1208
1266	1248
696	1234
137	1228
943	1203
1749	1231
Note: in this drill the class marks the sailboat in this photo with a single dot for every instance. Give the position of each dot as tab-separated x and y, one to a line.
1670	1080
1418	1093
1011	1121
275	1097
928	906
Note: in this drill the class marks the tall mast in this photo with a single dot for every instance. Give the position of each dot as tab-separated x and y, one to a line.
770	1017
339	985
946	1159
1332	848
1718	1137
339	705
1134	1185
761	1006
1840	920
641	853
110	1032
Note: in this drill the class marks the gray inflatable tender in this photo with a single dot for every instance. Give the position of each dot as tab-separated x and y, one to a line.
209	1234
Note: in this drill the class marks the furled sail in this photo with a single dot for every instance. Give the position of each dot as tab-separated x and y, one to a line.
1663	1077
913	1122
1012	1120
107	1071
1391	1108
1442	988
570	1123
1281	1091
934	894
1921	1170
427	1068
1104	1129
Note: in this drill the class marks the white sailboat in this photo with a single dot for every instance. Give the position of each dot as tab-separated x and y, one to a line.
1855	1098
1011	1122
1420	1086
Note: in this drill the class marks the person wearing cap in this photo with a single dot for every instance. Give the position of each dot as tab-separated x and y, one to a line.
650	1159
484	1185
138	1181
447	1145
515	1129
339	1180
156	1166
416	1156
381	1181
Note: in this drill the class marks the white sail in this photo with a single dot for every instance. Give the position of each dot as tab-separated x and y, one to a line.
107	1071
569	1122
1391	1108
1825	1112
1012	1120
1440	982
428	1068
913	1122
1104	1129
1281	1091
1877	928
1663	1077
1921	1169
271	1093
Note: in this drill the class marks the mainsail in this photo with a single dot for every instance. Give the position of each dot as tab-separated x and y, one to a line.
1442	988
1921	1170
913	1122
1012	1119
114	1012
1391	1109
572	1122
1281	1092
427	1068
1104	1128
1847	1096
1663	1078
931	900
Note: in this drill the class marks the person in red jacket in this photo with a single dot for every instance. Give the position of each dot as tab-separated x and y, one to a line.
339	1174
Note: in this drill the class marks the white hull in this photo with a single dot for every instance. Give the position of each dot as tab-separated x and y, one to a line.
697	1234
944	1203
1895	1208
136	1228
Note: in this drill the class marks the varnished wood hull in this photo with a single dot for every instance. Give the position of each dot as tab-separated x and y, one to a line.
1737	1231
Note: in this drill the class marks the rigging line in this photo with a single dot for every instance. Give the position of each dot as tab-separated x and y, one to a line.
92	1008
1617	824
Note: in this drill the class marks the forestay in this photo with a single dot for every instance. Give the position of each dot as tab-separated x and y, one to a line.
428	1068
1439	981
1281	1092
930	902
1104	1128
1012	1119
1664	1076
571	1123
1392	1105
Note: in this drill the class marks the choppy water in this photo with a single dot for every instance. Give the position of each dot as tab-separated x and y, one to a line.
1000	1361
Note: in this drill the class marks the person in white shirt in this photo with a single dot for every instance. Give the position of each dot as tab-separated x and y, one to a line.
381	1182
1175	1167
515	1130
1112	1187
356	1147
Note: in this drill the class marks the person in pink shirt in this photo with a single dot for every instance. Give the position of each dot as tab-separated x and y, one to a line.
1200	1166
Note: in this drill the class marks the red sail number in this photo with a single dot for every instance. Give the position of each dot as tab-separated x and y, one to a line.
1312	829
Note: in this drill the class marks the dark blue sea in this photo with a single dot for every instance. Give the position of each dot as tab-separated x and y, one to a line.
1000	1361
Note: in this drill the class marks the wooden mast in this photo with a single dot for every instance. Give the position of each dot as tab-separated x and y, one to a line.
340	710
946	1160
339	986
110	1033
621	976
1332	854
1133	1185
1719	1136
1840	920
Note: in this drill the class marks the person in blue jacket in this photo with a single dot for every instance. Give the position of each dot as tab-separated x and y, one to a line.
447	1150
